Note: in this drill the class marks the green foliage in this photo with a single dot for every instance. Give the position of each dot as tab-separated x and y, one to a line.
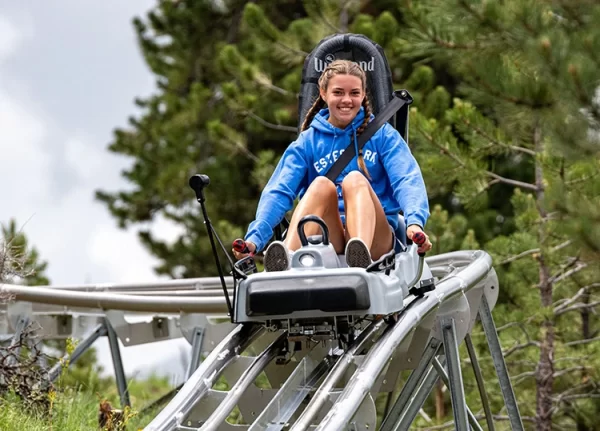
520	132
19	260
449	233
77	408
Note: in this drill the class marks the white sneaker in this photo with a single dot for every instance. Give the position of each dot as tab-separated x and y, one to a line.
358	254
277	257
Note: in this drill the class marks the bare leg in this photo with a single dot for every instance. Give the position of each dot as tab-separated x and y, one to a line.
320	200
365	218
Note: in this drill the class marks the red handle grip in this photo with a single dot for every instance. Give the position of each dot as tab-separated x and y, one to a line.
240	246
419	238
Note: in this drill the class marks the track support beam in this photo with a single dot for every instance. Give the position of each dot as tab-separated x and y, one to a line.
489	327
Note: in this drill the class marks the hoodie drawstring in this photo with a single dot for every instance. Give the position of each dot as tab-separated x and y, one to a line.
356	150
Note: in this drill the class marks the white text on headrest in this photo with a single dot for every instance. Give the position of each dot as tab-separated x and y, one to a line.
320	65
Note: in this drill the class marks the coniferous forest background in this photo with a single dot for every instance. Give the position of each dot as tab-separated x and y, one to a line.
505	126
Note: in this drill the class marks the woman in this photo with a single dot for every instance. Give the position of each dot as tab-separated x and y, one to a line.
364	202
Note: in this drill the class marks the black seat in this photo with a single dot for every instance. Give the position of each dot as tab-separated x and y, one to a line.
370	56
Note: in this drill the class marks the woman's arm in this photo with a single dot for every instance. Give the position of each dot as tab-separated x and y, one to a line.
405	177
279	194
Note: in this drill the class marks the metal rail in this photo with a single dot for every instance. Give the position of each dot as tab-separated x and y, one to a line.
364	378
220	414
115	301
334	376
187	283
287	400
204	377
459	272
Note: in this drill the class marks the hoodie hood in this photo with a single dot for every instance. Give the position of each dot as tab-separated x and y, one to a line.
321	124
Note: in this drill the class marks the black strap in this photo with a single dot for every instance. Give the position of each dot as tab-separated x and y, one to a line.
399	99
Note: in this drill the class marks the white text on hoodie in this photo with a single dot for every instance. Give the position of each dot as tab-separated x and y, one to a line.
324	162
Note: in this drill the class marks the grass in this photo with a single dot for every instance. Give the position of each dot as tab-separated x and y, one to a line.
73	409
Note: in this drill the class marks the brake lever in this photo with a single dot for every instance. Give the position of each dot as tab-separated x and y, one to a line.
418	239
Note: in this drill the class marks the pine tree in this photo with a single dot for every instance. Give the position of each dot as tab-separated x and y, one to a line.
19	261
184	129
528	73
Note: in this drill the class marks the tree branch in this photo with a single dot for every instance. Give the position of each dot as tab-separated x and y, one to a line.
569	273
270	125
579	342
533	251
523	376
584	290
507	326
562	245
292	50
582	179
578	306
519	256
344	15
488	173
516	183
493	141
570	370
521	346
571	262
580	396
273	87
507	418
482	20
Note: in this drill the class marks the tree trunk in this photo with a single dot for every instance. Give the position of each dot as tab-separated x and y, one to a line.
440	405
343	24
586	332
545	370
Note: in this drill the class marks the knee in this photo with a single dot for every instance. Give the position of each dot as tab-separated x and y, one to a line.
322	188
354	181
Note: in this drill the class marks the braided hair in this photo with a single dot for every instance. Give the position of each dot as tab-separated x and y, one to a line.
341	67
361	160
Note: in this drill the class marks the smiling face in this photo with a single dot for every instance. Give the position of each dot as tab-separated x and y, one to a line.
344	96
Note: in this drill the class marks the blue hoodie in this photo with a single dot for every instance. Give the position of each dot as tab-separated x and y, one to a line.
395	175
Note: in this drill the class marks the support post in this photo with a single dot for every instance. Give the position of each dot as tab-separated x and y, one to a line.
197	338
457	392
489	327
442	373
413	381
412	409
115	351
485	402
86	343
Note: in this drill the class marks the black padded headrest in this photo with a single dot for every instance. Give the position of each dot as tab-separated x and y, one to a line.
347	46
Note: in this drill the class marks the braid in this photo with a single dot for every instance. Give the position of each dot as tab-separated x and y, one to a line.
311	113
367	107
361	160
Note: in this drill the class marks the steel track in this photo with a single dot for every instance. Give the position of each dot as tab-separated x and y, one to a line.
322	387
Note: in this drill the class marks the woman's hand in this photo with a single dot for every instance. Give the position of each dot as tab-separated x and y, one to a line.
413	229
251	250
